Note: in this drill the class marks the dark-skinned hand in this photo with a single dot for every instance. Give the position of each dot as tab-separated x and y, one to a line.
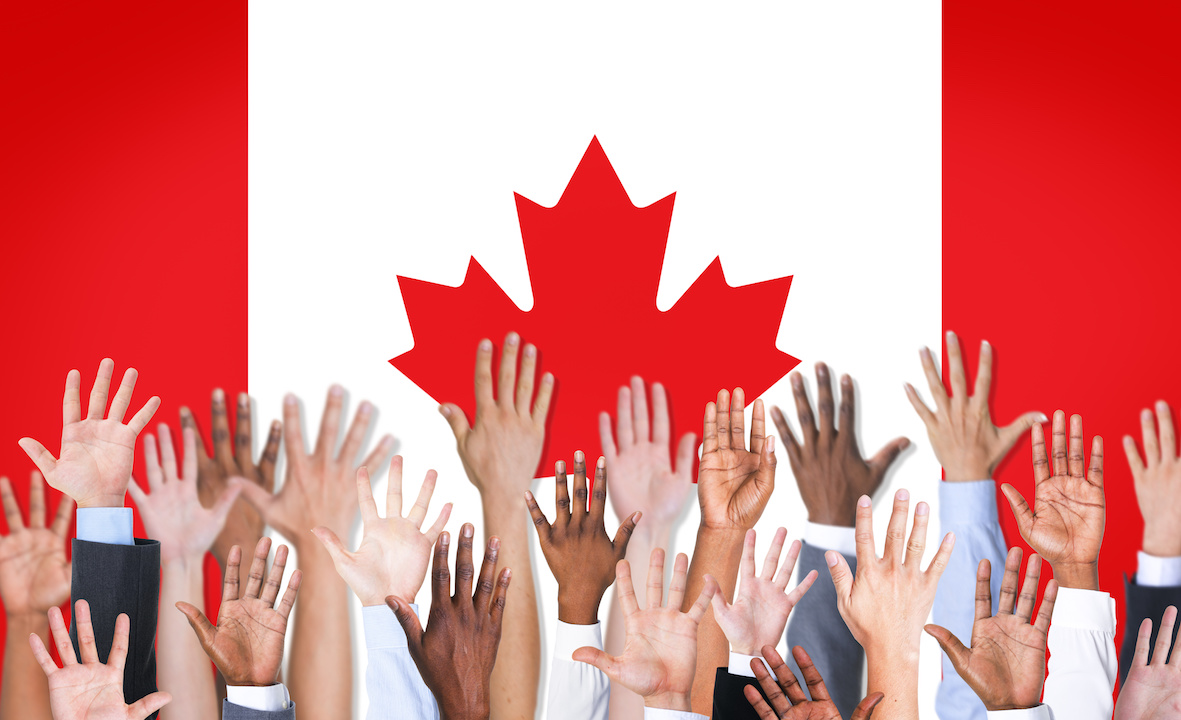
788	701
580	554
1006	664
827	464
247	643
456	652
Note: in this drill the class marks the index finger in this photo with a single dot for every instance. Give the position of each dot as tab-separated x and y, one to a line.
12	510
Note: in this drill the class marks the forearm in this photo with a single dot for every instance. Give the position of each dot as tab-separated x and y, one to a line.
24	691
320	673
517	672
625	704
182	667
716	553
893	670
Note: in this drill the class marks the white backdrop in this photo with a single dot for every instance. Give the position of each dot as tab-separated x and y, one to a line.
801	139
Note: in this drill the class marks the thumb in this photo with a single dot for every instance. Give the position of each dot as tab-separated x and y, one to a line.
332	544
456	419
865	707
885	457
767	462
955	650
596	657
148	705
206	632
409	622
255	494
221	509
1021	510
842	576
1012	432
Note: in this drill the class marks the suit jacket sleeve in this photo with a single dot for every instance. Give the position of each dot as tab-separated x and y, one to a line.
116	579
730	702
817	626
1143	602
230	711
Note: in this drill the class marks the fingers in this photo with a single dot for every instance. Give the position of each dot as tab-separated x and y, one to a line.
365	497
65	511
655	586
808	432
1046	611
773	690
737	419
292	430
72	401
580	493
123	396
354	439
465	570
49	667
1139	659
525	382
761	708
1148	435
624	428
865	708
500	599
1058	444
607	437
598	502
229	589
847	417
800	590
661	429
624	588
41	457
244	433
188	422
885	457
842	577
288	601
758	427
96	407
697	611
952	647
934	382
896	529
544	394
332	543
561	494
983	373
640	411
145	706
724	420
167	453
1164	638
942	556
771	561
785	679
440	572
1028	597
825	406
863	531
258	567
152	463
1168	439
87	650
270	590
409	621
984	589
140	420
746	562
205	630
393	489
12	510
188	439
955	367
920	407
623	535
483	380
785	434
117	658
1076	462
507	381
918	535
219	429
330	422
457	420
1133	455
1021	510
1008	598
709	430
270	456
484	588
540	523
61	637
1095	474
811	675
686	454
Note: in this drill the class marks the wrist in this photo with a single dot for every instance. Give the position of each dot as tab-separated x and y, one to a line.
22	622
969	473
731	535
835	518
100	501
669	701
577	607
1161	543
1081	576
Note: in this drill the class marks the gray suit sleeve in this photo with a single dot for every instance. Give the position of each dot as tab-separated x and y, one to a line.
230	711
817	626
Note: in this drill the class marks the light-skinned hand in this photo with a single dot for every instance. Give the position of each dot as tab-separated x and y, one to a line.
1157	479
34	571
1152	690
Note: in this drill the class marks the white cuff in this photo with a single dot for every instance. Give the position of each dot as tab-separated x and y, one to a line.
1154	571
740	664
271	698
831	537
382	629
112	526
571	637
1037	712
662	714
1092	610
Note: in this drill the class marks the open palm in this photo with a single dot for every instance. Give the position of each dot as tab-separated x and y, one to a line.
733	483
34	571
1152	690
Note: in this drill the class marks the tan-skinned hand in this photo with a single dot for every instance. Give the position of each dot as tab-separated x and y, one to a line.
734	483
34	571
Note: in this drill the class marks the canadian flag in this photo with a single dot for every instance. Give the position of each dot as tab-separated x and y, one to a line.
267	198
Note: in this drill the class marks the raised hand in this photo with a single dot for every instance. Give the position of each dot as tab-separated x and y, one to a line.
246	645
90	690
456	652
887	603
94	467
1065	525
761	607
660	656
734	483
580	554
243	526
788	699
34	571
966	442
827	465
1006	664
317	487
1152	690
639	463
172	512
394	551
1157	480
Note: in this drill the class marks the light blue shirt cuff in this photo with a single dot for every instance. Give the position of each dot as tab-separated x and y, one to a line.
112	526
967	503
382	629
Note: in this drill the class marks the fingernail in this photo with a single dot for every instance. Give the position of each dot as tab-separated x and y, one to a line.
445	411
184	411
494	543
243	399
530	351
771	443
547	378
561	466
512	339
985	345
1146	415
365	408
602	463
831	558
579	457
219	395
1162	406
485	344
864	501
902	495
467	530
336	390
922	509
290	399
445	538
1042	417
529	496
508	574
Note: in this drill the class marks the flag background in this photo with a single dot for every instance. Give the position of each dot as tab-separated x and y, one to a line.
388	141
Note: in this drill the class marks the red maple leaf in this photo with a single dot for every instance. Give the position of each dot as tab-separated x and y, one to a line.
594	265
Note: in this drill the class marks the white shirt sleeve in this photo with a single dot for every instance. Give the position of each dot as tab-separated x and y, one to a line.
1153	571
740	665
831	537
1038	712
577	691
1083	662
112	526
661	714
265	699
395	687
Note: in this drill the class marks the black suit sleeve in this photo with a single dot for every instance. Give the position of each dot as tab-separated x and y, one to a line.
1143	602
729	701
117	579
